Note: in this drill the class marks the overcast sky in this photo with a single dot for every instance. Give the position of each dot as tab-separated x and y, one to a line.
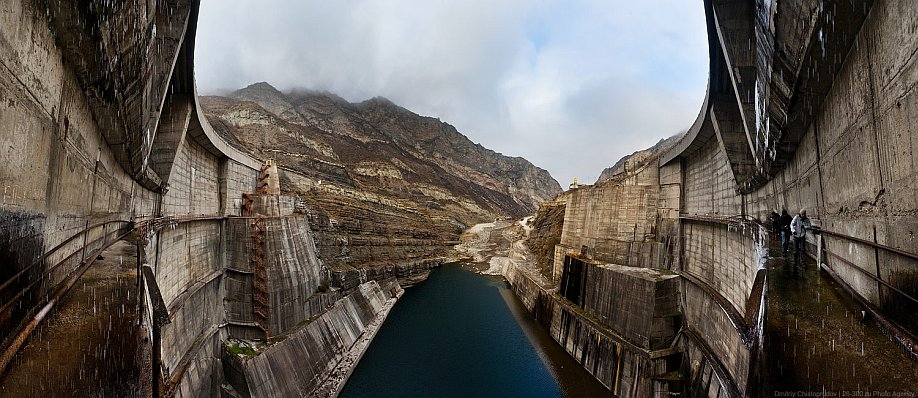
571	85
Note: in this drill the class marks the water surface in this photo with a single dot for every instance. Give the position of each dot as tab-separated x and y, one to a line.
453	336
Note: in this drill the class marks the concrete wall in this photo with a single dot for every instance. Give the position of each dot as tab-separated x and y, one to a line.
294	272
51	144
193	186
296	365
60	171
615	220
63	166
624	367
853	169
852	166
639	303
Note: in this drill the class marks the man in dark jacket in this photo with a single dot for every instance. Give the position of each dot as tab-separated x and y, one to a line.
785	231
775	220
799	225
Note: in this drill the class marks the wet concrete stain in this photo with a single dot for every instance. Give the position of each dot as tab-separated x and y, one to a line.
88	347
21	243
901	309
817	341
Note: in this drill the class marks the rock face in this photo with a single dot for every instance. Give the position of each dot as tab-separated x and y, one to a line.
546	231
384	186
638	158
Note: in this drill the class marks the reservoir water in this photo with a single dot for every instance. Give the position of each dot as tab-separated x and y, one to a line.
461	334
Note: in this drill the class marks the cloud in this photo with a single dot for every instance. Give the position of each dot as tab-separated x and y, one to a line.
571	85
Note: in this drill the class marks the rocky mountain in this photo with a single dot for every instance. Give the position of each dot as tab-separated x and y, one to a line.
385	185
637	158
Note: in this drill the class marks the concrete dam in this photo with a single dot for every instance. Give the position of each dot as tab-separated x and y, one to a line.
143	255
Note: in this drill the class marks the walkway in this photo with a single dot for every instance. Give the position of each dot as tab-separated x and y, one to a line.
88	346
817	341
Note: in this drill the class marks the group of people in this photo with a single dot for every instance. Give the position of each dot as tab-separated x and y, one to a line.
787	227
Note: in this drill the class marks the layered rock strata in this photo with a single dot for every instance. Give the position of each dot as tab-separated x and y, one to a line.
387	191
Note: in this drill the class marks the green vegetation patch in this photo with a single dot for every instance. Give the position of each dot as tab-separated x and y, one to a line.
240	349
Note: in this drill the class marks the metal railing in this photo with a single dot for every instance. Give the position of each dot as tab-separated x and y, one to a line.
739	220
747	324
876	246
870	275
42	273
50	291
895	314
889	249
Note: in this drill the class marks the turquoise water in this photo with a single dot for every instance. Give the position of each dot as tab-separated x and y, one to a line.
452	336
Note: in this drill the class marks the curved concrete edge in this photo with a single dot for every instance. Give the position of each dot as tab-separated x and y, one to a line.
685	145
334	384
318	358
199	128
218	142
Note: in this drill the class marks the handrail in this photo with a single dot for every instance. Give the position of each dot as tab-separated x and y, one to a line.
160	222
744	327
54	250
865	272
23	291
900	252
737	219
13	300
875	245
898	334
23	335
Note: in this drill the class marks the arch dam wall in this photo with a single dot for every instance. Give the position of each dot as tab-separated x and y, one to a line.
810	105
103	135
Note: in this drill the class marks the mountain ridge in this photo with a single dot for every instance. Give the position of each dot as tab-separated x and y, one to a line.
384	185
381	119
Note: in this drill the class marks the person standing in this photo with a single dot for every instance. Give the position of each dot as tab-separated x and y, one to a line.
785	231
775	220
799	225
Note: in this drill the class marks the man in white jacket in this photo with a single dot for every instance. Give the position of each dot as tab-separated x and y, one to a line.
798	226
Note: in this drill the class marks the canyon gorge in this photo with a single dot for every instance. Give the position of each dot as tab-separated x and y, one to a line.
157	242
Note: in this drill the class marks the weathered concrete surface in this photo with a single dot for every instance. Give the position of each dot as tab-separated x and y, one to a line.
55	176
339	376
298	364
614	220
86	142
641	304
823	94
91	345
627	368
294	272
808	106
